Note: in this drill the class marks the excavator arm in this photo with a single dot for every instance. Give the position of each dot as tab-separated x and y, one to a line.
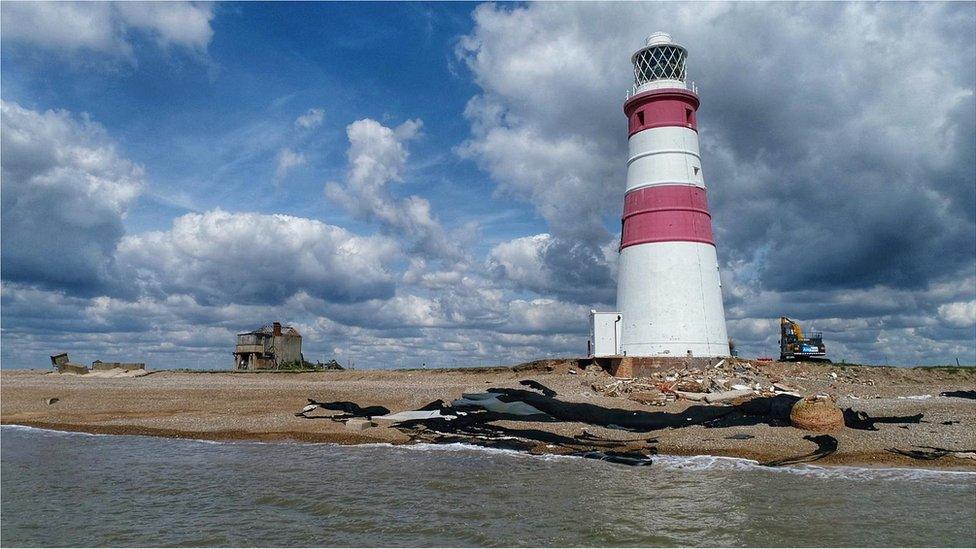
788	325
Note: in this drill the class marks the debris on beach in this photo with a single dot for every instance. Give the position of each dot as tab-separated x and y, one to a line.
959	394
930	452
98	368
817	413
733	396
359	424
725	381
473	419
826	445
351	409
861	420
61	363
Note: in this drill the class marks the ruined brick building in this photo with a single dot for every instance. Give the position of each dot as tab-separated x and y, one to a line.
268	348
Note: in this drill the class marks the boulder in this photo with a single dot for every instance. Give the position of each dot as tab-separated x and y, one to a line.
817	413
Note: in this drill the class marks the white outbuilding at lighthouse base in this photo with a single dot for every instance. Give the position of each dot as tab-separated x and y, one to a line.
605	333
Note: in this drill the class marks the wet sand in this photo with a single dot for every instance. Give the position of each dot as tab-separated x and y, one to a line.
252	406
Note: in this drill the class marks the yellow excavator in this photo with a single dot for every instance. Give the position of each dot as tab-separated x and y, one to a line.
793	346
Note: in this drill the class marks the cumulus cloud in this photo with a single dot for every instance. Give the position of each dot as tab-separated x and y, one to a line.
106	27
221	257
311	119
546	316
377	158
189	288
66	189
288	159
561	267
961	314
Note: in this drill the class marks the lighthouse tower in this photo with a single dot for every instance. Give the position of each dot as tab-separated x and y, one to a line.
669	295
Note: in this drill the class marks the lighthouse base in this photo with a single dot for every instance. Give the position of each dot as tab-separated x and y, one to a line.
670	299
634	366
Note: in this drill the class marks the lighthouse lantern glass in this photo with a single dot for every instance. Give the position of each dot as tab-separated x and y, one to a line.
666	62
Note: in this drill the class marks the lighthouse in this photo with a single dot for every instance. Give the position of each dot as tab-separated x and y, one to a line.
669	295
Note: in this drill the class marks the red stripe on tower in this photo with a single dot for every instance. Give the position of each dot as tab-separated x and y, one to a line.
666	213
660	108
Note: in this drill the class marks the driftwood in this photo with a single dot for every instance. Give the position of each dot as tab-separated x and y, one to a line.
725	396
696	397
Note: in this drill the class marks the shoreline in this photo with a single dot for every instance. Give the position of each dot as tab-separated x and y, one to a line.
261	408
230	438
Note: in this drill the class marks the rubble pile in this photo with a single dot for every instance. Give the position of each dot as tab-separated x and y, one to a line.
725	381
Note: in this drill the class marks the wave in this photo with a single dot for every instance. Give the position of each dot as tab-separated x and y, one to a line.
847	472
685	463
42	430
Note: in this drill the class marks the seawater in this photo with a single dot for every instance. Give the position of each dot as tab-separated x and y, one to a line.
70	489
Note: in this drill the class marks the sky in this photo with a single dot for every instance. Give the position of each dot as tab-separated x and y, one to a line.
441	184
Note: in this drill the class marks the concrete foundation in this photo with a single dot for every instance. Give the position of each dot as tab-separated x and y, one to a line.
645	366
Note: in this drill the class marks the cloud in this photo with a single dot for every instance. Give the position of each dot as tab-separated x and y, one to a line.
960	314
547	316
561	267
833	167
220	257
377	158
107	27
311	119
66	189
841	183
288	159
189	288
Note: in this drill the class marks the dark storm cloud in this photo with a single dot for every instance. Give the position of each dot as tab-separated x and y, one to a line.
862	151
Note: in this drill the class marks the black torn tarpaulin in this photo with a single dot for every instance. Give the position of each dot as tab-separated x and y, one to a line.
473	419
826	445
865	422
971	395
773	410
623	458
546	391
351	410
477	427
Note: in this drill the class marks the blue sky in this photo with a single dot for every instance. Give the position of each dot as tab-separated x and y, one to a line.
452	173
208	129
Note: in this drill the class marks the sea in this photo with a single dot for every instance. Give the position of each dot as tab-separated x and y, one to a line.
72	489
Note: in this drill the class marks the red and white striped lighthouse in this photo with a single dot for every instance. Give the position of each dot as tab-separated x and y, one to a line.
669	295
